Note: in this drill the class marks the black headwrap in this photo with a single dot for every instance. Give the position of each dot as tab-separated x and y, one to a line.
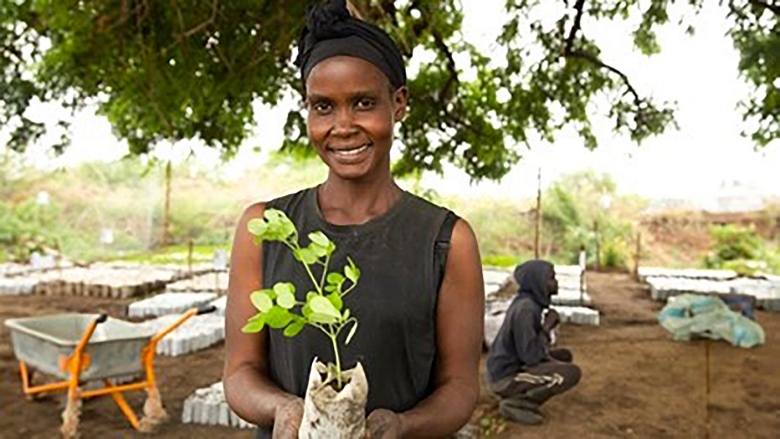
331	31
532	277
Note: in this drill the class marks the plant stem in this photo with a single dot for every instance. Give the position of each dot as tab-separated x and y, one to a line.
348	290
324	271
311	276
295	247
338	360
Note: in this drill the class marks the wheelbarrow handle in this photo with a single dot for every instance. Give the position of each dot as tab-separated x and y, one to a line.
206	310
184	317
102	318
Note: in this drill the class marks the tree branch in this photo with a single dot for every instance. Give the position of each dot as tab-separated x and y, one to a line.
579	6
772	7
203	25
593	59
569	52
451	68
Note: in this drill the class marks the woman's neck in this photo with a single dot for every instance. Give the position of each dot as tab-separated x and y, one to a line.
349	202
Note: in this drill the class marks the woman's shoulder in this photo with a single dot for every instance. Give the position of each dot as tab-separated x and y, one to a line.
424	205
285	202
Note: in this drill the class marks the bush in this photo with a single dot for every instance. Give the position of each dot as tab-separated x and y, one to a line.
22	232
733	243
614	257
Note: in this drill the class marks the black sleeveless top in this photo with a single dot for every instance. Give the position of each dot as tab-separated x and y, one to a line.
394	302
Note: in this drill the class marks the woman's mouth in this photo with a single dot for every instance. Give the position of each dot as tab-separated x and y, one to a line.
351	155
350	152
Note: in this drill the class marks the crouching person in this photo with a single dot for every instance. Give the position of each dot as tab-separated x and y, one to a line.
522	369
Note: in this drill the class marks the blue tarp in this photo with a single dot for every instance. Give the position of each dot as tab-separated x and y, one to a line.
707	316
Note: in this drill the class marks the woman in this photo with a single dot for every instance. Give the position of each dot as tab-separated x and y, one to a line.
522	369
420	325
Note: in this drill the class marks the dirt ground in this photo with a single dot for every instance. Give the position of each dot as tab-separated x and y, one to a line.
637	383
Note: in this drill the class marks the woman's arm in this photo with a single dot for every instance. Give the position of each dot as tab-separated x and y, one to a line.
459	332
249	390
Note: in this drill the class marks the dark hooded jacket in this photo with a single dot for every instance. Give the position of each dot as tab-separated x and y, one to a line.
521	342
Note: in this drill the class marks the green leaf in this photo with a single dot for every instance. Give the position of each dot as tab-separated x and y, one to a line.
306	311
306	255
273	216
286	299
335	300
345	315
261	300
335	278
319	238
318	250
257	227
321	305
320	244
294	328
331	288
352	332
278	317
255	324
284	288
322	318
352	273
310	295
280	227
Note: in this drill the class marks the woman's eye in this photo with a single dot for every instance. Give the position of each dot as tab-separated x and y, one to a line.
365	103
321	107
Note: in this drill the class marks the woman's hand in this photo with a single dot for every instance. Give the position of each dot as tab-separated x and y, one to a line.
288	419
383	424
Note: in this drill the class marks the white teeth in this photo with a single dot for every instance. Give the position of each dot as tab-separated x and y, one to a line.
352	151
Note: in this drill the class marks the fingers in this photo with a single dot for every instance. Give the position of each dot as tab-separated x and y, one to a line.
288	420
381	424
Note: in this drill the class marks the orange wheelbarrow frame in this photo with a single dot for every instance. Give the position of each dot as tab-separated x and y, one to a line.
79	360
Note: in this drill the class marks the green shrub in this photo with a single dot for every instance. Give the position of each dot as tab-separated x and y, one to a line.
613	257
22	229
733	243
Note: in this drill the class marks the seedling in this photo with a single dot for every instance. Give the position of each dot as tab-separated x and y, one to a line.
323	308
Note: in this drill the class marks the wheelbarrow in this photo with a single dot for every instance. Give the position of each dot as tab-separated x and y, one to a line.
81	348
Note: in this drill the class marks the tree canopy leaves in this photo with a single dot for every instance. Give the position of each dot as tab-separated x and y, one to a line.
184	69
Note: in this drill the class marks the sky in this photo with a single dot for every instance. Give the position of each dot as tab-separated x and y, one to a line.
705	158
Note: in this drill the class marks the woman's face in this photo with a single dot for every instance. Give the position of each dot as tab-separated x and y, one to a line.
352	111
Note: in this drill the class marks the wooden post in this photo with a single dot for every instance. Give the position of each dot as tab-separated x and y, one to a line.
583	263
538	236
189	256
167	211
638	254
598	244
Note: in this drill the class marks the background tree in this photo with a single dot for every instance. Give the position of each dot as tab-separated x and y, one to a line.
183	69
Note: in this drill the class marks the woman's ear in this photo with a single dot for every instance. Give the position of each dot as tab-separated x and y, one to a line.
400	97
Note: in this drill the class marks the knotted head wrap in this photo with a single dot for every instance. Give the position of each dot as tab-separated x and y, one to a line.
331	31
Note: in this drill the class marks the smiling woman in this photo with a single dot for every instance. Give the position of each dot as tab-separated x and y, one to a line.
352	126
420	300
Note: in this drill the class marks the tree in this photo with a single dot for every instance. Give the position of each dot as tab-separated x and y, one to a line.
181	69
